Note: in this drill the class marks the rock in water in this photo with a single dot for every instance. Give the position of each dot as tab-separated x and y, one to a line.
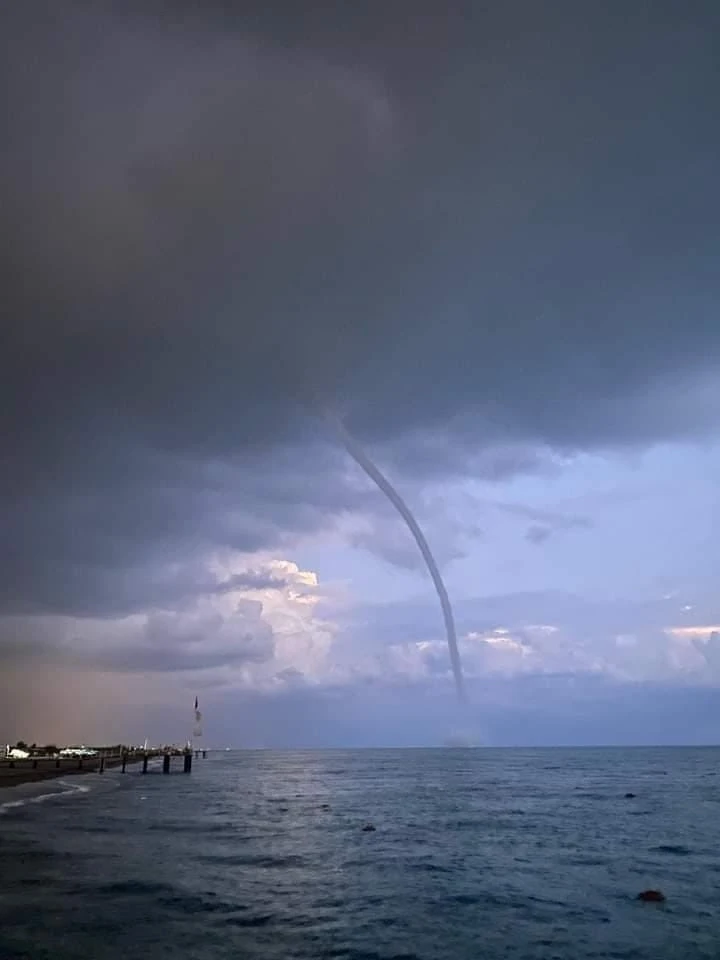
651	896
629	796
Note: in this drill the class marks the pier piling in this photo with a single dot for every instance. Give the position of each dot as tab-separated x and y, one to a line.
13	770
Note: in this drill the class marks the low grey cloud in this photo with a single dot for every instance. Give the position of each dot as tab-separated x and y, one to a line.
380	531
536	534
250	580
170	642
545	523
160	642
540	533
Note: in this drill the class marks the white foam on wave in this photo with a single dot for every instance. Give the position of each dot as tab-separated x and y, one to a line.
71	788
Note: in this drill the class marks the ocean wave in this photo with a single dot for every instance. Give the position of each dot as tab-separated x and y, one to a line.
140	888
674	849
250	860
256	920
70	789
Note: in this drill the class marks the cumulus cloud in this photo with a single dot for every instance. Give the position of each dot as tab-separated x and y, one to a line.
547	633
261	630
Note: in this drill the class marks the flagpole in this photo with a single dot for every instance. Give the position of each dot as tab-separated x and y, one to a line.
197	729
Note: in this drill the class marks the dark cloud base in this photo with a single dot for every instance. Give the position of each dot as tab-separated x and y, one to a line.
492	225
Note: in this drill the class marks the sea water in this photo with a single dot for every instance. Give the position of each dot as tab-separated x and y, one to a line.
475	854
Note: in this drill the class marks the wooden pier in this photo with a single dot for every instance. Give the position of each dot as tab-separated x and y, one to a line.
167	757
43	768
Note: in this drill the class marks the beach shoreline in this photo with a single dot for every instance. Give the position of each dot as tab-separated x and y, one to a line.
36	776
19	772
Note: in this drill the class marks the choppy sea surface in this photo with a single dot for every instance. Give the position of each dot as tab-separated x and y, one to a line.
476	854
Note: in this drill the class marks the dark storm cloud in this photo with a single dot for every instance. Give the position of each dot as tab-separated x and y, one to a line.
120	542
499	223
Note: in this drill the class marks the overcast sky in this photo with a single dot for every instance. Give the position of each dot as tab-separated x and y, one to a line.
487	238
